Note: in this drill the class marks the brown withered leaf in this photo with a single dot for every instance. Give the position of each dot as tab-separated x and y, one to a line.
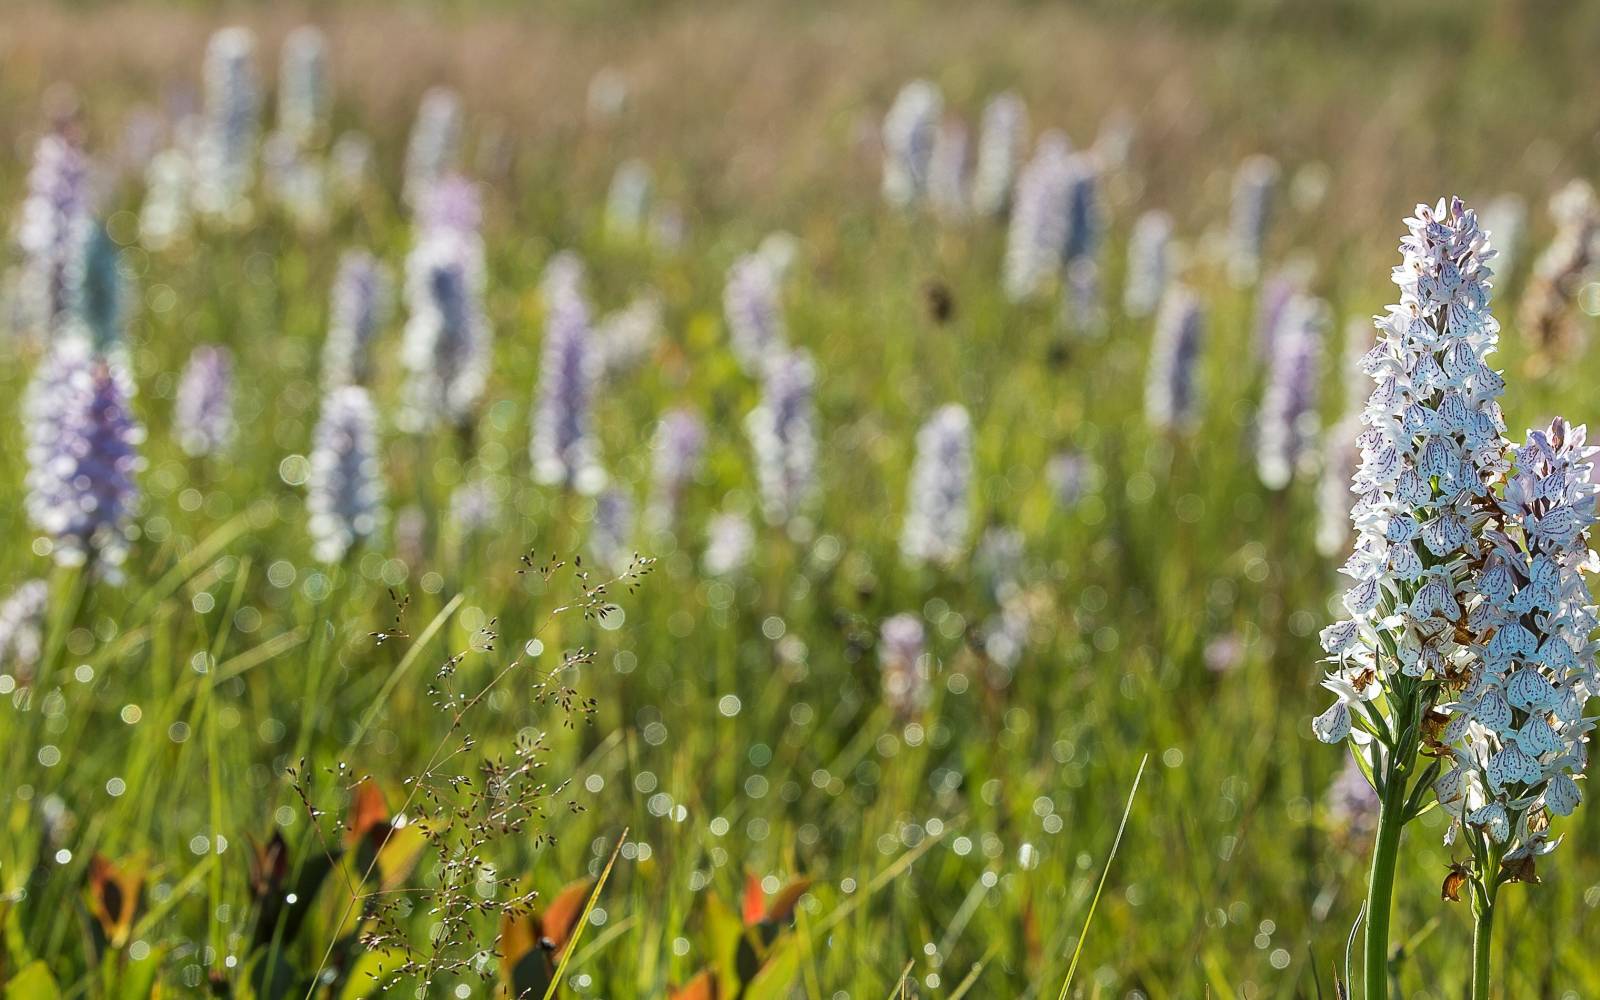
1453	881
783	902
114	897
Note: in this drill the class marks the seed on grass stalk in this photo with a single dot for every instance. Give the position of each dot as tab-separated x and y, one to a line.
345	491
202	416
939	494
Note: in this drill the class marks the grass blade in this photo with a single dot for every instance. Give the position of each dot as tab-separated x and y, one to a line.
1105	872
583	918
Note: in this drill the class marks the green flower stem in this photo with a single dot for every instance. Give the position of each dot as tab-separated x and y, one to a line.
1380	886
1484	892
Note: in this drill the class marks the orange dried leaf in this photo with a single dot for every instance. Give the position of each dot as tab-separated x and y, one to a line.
755	900
702	987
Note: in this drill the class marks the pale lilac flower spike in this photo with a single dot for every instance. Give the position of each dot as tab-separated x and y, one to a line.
782	430
1037	234
82	449
435	143
1149	263
563	446
1171	398
1255	187
345	490
203	411
611	531
226	155
1002	137
1432	445
677	452
754	313
54	220
904	664
939	496
909	132
446	351
1287	427
1519	731
363	294
22	625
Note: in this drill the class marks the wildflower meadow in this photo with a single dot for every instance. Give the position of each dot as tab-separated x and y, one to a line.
765	501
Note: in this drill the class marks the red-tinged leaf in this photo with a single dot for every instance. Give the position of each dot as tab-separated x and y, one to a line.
560	918
755	900
368	812
525	966
781	909
1032	941
702	987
